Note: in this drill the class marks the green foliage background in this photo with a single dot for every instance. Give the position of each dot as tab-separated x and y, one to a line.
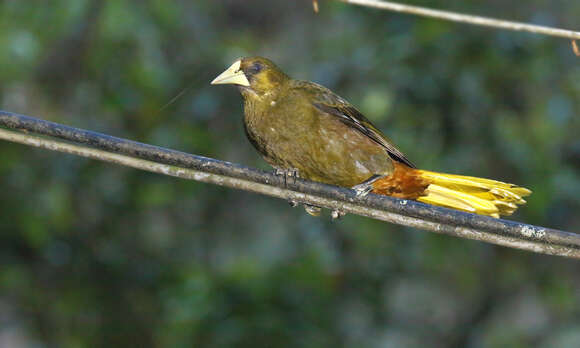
93	254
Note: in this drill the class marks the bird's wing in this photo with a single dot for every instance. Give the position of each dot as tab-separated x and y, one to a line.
326	101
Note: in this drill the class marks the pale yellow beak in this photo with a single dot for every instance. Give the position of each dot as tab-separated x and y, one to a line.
232	76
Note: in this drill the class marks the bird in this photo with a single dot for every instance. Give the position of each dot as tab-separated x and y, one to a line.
304	128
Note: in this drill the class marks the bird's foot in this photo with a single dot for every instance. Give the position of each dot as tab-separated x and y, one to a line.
293	203
286	173
337	214
365	187
362	190
312	210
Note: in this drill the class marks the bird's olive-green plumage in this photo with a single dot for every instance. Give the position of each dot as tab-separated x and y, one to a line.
302	125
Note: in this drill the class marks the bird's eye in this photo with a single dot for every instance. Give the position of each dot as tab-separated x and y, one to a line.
256	67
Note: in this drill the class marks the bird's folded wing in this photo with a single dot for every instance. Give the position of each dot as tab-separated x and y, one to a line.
326	101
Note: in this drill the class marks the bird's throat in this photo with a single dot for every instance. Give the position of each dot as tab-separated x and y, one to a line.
248	92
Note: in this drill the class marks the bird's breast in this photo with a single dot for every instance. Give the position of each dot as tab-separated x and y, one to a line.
265	131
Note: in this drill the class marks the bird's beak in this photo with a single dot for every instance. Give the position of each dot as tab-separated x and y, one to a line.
232	76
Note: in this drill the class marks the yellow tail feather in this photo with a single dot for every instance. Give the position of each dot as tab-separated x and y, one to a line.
471	194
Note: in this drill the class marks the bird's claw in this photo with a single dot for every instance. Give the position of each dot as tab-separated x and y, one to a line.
293	203
312	210
285	173
365	187
362	190
337	214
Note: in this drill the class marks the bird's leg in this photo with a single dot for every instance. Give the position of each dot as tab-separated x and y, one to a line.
366	186
291	172
282	173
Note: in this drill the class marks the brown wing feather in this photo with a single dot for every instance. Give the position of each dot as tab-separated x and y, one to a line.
328	102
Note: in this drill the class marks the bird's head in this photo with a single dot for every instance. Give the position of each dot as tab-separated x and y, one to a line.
254	75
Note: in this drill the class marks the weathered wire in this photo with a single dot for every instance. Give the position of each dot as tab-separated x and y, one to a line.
183	165
463	18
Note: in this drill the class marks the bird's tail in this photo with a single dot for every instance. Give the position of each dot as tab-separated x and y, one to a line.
466	193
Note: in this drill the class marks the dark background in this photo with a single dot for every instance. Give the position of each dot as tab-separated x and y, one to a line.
93	254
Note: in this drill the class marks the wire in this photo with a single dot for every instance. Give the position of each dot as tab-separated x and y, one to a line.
463	18
183	165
